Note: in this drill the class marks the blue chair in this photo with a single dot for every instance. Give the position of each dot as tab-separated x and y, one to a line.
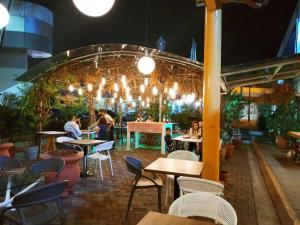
48	165
134	165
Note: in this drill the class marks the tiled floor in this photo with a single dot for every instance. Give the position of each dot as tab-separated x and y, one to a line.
104	203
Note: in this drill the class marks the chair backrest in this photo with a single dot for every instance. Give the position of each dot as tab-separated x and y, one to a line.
204	205
64	139
134	165
48	165
183	154
104	146
64	146
190	185
8	162
41	194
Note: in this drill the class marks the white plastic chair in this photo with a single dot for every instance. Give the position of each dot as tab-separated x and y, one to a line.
204	205
179	154
66	139
191	185
98	156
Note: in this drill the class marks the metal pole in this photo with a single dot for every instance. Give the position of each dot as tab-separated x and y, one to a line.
160	107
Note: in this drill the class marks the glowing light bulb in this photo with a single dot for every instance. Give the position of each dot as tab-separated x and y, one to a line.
133	104
100	86
123	80
4	16
80	91
129	98
172	93
143	103
148	100
90	87
116	87
175	86
103	81
147	105
98	95
197	103
166	90
155	90
71	88
142	88
146	65
94	8
112	100
140	98
115	95
127	92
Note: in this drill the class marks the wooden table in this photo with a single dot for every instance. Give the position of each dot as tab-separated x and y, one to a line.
86	144
51	136
176	167
147	127
155	218
295	145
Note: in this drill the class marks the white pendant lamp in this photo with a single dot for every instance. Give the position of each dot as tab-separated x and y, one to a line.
146	65
94	8
4	16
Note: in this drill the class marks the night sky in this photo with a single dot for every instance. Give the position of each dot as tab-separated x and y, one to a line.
247	35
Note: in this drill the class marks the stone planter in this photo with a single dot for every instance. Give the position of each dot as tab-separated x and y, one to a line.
237	141
71	171
282	142
5	149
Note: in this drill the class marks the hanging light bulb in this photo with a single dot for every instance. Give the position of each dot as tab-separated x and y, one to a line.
100	86
71	88
143	103
115	95
148	100
4	16
166	90
175	86
197	103
142	88
90	87
121	100
183	97
112	100
129	98
140	98
147	105
103	81
154	90
98	95
94	8
146	64
146	82
123	80
116	87
127	92
133	104
172	93
80	91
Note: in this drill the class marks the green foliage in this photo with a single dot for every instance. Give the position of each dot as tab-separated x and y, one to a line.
10	124
75	107
153	110
281	118
183	118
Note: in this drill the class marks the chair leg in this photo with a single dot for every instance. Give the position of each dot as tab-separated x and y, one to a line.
159	198
95	167
167	192
100	166
129	201
111	168
61	212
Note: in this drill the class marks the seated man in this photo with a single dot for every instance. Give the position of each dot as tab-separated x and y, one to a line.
72	127
171	144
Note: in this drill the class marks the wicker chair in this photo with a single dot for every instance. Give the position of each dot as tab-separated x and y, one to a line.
179	154
204	205
191	185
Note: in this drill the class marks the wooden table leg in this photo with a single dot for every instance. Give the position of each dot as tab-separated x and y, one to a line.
50	144
128	140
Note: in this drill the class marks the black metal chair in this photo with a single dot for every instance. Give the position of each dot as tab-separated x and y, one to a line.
55	165
36	206
8	162
140	181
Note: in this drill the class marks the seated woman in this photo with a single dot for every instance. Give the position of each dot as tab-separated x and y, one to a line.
171	145
195	132
102	129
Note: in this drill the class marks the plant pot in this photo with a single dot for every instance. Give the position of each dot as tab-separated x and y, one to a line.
32	153
5	149
282	142
223	152
237	141
229	151
71	171
224	175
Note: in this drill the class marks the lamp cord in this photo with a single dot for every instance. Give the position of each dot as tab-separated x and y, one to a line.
146	21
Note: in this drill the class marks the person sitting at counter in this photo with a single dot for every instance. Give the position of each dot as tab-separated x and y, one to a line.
72	127
149	119
171	145
195	132
139	118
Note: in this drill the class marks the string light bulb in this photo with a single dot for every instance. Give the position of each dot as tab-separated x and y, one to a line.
116	87
80	91
146	82
148	100
115	95
140	98
71	88
143	103
121	100
98	95
123	79
154	91
133	104
129	98
103	81
175	86
90	87
142	88
112	100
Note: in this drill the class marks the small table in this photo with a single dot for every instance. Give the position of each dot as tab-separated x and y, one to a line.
154	218
182	139
86	143
50	134
295	145
176	167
